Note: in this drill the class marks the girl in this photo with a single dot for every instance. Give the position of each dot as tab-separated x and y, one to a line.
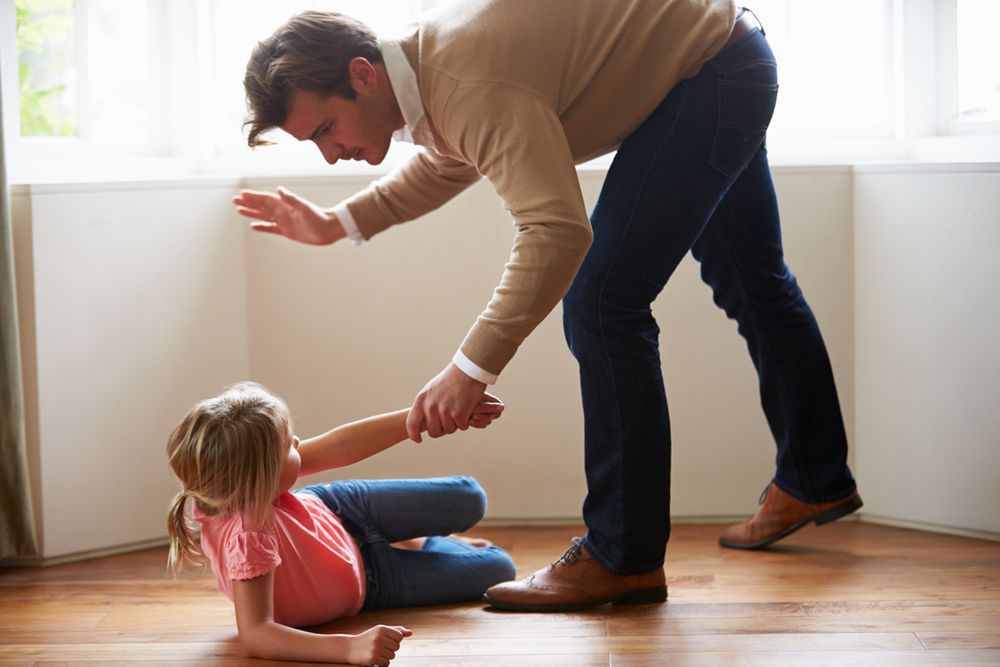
296	559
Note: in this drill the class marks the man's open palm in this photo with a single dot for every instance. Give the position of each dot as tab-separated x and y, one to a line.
289	215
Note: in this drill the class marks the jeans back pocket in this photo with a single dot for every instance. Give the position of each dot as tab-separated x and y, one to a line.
745	111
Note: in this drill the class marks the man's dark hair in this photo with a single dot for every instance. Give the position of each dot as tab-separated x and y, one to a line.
311	51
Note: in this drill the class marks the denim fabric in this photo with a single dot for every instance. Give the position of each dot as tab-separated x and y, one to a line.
377	513
694	176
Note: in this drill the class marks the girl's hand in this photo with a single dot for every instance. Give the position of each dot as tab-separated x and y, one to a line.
289	215
377	645
489	408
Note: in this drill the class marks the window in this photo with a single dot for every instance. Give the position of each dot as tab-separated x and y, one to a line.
161	80
835	66
884	79
838	78
977	60
74	83
99	80
46	70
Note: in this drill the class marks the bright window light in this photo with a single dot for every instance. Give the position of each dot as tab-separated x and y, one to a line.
120	71
978	51
835	66
85	70
161	81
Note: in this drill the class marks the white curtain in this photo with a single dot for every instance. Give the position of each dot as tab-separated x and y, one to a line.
17	527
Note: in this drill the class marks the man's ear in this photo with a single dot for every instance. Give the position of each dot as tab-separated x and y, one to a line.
364	77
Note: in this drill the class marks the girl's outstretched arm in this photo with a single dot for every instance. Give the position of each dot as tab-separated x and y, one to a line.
263	638
358	440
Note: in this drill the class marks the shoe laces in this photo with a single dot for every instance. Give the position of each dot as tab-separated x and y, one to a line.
763	495
571	555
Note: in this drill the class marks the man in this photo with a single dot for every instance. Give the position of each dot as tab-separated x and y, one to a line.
519	92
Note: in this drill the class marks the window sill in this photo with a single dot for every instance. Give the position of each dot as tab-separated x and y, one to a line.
66	176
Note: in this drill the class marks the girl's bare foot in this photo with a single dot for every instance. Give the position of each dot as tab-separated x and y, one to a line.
472	541
417	543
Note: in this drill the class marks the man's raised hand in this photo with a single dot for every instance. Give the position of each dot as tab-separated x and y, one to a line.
289	215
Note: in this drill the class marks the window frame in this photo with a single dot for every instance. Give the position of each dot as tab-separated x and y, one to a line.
946	46
185	113
83	146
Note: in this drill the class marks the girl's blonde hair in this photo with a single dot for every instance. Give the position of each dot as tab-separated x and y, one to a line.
228	454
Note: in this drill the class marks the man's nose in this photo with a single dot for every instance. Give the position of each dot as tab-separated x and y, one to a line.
330	152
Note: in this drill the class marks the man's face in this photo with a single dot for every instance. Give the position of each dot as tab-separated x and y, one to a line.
359	129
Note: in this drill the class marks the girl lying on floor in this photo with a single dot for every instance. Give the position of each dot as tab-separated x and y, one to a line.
292	559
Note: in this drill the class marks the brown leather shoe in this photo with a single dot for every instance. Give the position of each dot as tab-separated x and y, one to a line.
781	515
576	581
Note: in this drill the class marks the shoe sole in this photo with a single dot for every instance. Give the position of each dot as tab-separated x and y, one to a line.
643	596
830	515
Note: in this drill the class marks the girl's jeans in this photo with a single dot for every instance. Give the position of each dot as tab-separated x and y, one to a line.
694	176
377	513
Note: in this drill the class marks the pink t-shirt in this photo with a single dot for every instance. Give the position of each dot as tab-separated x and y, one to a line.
318	571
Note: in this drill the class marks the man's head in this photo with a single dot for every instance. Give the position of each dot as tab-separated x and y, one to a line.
320	77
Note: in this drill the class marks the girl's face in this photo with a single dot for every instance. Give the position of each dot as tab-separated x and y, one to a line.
290	466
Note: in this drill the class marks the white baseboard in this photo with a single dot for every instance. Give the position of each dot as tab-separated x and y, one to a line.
576	521
930	527
37	561
513	522
40	561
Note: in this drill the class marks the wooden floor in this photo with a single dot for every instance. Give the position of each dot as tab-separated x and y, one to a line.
845	594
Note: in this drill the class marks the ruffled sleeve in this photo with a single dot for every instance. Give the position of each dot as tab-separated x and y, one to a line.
251	554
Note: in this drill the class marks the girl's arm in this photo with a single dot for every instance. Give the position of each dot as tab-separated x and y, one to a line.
263	638
358	440
352	442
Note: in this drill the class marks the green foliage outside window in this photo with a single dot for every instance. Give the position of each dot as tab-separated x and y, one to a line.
44	58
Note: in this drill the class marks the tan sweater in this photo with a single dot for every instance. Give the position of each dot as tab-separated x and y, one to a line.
519	91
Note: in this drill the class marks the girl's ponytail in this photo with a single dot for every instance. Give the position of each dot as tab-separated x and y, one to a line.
183	546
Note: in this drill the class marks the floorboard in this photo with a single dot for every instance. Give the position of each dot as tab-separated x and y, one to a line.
847	594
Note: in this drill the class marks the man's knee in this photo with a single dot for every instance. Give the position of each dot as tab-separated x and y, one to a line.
581	308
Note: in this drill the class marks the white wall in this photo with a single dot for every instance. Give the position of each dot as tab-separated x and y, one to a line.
928	371
138	300
132	305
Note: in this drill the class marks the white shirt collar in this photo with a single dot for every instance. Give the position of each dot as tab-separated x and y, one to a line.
403	80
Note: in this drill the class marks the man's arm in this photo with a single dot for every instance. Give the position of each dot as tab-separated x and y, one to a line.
422	184
523	151
425	182
263	638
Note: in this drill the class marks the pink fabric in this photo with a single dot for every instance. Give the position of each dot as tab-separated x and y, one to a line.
318	571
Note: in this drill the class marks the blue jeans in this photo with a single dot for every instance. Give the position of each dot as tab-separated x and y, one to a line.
377	513
694	176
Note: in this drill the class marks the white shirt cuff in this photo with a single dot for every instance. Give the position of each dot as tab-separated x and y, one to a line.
472	370
347	222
